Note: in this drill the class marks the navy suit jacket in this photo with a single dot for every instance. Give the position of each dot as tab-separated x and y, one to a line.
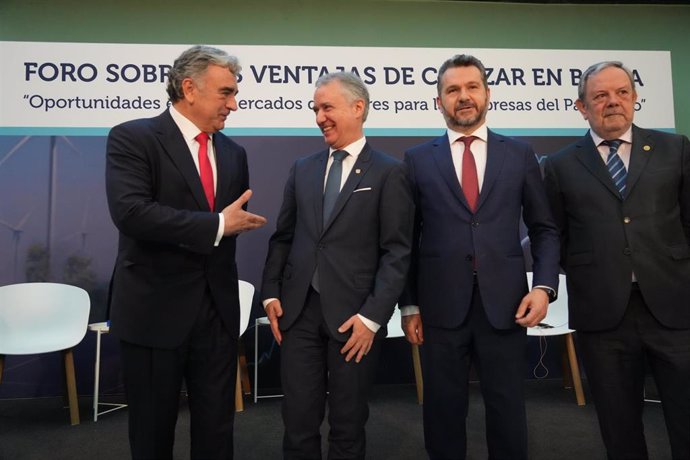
362	251
451	242
166	258
606	238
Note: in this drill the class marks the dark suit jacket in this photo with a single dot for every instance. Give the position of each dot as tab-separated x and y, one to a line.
362	252
166	257
605	238
448	236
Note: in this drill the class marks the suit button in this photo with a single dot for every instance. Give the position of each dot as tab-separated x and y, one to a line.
627	251
626	220
469	257
475	224
321	246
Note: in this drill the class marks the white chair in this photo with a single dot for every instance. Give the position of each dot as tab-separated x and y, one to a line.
246	299
100	329
395	330
262	321
556	323
41	318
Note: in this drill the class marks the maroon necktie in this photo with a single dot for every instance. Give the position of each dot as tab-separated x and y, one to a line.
205	170
470	183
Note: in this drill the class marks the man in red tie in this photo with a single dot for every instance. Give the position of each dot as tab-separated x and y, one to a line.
467	298
177	191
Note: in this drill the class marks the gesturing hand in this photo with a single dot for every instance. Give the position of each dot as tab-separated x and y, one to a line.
238	220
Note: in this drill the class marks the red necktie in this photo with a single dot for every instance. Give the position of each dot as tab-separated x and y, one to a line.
205	170
470	183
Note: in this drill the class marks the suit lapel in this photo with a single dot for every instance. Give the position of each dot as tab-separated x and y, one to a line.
444	161
495	157
642	148
589	156
359	170
175	147
223	166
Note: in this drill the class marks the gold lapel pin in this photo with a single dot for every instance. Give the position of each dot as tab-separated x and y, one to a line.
646	148
357	171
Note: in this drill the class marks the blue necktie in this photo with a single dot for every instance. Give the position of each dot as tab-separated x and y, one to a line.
332	189
330	194
615	166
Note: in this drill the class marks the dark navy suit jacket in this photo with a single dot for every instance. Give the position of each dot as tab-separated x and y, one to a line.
362	251
451	242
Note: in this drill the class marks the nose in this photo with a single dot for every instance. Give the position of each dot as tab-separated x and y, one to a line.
231	103
320	118
462	94
614	99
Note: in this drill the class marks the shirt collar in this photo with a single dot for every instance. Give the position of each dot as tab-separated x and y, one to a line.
626	137
482	133
353	149
187	127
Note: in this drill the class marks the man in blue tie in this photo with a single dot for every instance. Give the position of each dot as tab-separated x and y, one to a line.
336	265
621	197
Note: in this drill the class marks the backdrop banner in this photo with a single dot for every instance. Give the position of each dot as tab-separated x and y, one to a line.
86	88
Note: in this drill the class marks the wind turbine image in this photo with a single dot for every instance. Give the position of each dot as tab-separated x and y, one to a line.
82	232
14	149
16	229
16	236
52	188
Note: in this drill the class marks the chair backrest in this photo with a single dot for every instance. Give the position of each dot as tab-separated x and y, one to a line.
394	325
557	315
246	299
42	317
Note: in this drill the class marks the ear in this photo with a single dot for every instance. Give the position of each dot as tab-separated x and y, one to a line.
581	107
359	108
188	89
438	104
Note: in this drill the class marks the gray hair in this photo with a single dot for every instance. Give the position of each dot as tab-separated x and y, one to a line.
595	69
354	87
193	63
461	60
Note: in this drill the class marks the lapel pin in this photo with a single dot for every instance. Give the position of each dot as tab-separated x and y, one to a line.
646	148
357	171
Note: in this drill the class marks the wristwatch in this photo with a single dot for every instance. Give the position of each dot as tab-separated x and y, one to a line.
550	292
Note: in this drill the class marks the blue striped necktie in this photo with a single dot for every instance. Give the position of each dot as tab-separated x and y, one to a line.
615	166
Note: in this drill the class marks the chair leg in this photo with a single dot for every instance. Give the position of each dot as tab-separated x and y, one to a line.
71	387
565	364
575	369
416	364
239	401
244	373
